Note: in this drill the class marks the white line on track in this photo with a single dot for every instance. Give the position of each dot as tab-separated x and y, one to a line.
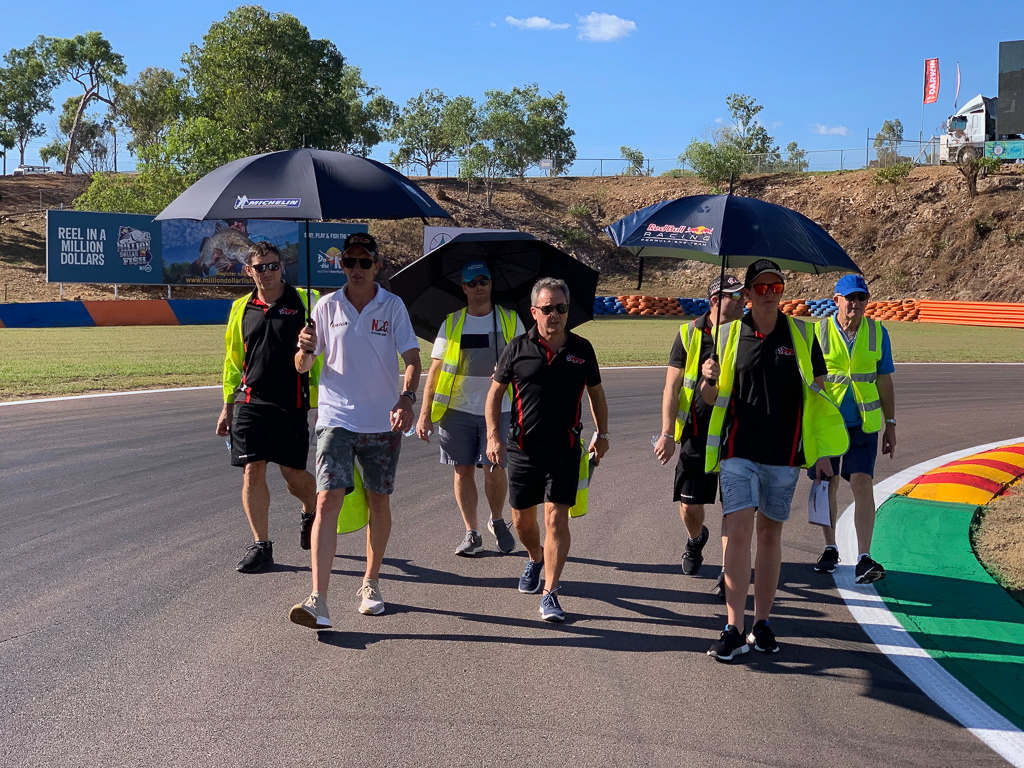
106	394
894	641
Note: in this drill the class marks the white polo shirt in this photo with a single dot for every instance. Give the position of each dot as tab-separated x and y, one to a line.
359	380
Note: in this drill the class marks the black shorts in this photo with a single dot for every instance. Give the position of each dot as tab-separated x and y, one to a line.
536	479
268	433
693	485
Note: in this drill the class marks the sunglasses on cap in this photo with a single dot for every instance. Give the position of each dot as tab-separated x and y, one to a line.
762	288
478	281
858	296
349	262
273	266
561	309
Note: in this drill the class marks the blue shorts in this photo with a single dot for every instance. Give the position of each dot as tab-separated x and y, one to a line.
859	459
463	438
765	486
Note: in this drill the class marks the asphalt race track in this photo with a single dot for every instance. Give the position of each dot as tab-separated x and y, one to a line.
128	639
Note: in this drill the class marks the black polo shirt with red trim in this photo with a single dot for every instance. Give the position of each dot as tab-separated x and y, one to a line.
763	422
271	334
547	390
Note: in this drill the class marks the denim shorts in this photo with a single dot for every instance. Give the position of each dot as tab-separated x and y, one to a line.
463	438
765	486
337	450
859	459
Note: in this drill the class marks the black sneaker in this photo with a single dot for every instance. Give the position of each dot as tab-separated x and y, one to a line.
506	541
529	582
719	588
762	638
828	561
258	557
693	557
868	571
306	530
729	645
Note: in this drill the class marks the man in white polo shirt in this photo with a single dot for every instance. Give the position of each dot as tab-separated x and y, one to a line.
360	330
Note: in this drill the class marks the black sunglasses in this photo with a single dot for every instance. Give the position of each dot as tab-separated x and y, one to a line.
477	281
273	266
858	296
349	262
561	309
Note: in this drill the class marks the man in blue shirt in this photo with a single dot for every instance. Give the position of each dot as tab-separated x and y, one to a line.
859	359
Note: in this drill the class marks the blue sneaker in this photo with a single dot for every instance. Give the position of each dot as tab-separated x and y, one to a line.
529	582
550	610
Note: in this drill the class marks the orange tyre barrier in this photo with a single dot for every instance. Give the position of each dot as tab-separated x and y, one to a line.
1004	315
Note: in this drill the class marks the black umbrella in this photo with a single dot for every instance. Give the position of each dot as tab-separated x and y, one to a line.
431	287
302	185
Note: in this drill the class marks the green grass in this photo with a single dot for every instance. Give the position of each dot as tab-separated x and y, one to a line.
50	362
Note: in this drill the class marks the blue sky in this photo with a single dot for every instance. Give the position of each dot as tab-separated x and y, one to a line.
650	75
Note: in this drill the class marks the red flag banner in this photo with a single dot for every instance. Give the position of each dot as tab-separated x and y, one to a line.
931	81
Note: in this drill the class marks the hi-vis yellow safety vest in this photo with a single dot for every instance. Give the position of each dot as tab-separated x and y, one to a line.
355	511
453	366
822	431
859	369
691	337
579	509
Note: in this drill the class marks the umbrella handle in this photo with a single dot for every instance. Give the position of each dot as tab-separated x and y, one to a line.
713	382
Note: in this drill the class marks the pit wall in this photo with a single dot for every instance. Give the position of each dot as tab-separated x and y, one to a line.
80	314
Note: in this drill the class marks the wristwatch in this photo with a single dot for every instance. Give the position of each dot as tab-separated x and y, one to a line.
410	394
891	421
601	436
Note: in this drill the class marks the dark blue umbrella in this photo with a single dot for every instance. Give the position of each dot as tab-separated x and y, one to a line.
431	286
300	185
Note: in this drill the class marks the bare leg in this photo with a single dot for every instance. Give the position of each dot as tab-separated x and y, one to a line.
556	542
466	495
495	488
693	518
256	499
325	537
737	531
833	510
863	510
378	532
766	565
525	523
302	486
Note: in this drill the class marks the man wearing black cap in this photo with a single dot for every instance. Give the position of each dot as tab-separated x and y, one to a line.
859	359
685	415
771	416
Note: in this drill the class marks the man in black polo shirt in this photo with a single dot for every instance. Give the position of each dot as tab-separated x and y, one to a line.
549	370
266	400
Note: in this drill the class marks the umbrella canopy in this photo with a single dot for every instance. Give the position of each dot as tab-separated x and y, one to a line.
720	229
432	286
303	184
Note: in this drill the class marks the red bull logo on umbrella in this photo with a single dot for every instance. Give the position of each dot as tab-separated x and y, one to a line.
699	235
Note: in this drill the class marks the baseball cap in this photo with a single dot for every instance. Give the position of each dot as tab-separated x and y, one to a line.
729	285
761	266
851	284
475	269
362	239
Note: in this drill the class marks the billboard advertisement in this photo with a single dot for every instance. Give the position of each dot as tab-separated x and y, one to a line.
83	247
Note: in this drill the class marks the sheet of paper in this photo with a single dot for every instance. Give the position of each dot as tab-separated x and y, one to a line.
817	504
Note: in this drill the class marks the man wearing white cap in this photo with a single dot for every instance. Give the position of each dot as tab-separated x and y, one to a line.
465	352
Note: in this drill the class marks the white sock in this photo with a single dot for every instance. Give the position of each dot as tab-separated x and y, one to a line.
862	556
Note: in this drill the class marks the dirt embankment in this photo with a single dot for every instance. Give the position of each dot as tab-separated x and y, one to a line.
925	239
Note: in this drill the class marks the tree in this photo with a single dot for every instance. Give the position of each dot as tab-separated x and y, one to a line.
91	62
433	128
749	135
8	140
26	88
971	166
636	161
887	143
715	159
149	191
90	153
371	113
148	107
481	162
894	174
525	127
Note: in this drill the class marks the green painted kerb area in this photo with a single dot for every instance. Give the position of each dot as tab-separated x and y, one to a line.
947	601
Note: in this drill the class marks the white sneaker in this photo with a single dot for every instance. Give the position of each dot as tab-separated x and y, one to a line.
311	612
373	603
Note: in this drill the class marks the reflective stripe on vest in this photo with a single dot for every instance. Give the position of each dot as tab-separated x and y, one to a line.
822	431
691	337
453	354
858	369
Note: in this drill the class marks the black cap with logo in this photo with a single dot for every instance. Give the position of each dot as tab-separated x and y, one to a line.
729	285
362	239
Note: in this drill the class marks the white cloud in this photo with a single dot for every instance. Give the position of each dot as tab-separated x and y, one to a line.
492	25
825	130
603	27
534	23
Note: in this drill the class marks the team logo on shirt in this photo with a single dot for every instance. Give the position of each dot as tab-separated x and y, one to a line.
379	327
785	352
573	359
337	324
286	311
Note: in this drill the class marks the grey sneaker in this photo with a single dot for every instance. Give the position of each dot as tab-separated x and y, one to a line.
470	545
506	541
311	612
373	602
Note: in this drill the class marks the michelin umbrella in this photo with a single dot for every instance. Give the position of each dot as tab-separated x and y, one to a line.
431	286
303	185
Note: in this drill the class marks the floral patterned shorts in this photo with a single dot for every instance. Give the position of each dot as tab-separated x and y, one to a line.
337	450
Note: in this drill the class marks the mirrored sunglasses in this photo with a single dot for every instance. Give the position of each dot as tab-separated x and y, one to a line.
762	288
273	266
478	281
561	309
349	262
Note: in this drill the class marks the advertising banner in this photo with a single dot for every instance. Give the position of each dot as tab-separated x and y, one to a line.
84	247
931	81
